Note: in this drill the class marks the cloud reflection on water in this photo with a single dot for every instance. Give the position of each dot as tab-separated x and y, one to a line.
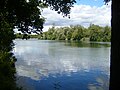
39	59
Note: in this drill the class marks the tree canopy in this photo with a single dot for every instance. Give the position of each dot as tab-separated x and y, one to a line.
77	32
23	14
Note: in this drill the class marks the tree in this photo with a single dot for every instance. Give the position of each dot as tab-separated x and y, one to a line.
115	46
25	15
106	34
78	33
95	32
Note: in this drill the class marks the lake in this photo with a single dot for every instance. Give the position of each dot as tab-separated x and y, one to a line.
62	65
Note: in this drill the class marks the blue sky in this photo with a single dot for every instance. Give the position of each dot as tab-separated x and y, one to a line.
83	13
97	3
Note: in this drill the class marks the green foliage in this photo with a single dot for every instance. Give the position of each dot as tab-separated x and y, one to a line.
95	32
7	59
6	36
98	33
7	71
78	32
106	34
25	15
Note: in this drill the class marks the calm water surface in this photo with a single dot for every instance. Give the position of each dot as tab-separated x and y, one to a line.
62	65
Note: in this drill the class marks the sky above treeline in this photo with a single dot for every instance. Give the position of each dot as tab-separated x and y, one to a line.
84	12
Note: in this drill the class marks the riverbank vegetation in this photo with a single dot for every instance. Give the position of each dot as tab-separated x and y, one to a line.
7	58
77	33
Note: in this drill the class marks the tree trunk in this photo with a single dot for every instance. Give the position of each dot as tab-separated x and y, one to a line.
115	46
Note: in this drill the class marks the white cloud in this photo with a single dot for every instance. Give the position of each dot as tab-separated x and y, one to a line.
80	14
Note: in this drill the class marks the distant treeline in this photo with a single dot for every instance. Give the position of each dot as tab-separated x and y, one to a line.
77	32
25	36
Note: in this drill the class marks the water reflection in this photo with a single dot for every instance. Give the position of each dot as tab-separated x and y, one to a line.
102	84
87	44
47	60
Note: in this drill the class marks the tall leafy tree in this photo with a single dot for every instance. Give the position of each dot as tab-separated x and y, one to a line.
25	15
78	33
106	34
95	32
